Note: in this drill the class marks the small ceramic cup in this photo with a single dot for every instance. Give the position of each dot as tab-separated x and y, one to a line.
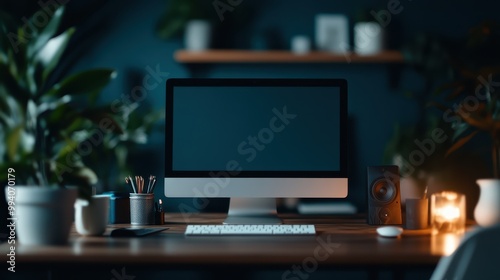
91	217
417	213
301	44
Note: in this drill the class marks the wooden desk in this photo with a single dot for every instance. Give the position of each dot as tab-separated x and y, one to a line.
340	243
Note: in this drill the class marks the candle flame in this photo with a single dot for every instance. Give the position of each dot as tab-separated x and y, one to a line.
449	212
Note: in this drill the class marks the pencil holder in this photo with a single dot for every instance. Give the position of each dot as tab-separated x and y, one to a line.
142	209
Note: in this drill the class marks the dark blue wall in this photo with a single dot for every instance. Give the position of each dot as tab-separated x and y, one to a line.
126	41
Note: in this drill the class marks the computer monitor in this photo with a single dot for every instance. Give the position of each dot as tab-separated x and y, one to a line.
255	140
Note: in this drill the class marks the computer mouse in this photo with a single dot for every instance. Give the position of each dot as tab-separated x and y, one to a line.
134	232
389	231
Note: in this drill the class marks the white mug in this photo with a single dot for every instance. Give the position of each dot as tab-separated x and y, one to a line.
91	217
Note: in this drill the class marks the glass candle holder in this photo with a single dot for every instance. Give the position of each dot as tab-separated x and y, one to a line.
448	212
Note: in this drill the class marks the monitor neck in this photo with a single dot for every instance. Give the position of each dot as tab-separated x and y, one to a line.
252	211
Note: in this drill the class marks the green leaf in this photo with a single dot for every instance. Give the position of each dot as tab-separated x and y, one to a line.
16	54
13	69
494	108
83	178
31	115
99	115
11	113
30	79
461	142
11	87
50	54
53	105
476	119
69	146
77	123
83	82
13	141
48	31
460	128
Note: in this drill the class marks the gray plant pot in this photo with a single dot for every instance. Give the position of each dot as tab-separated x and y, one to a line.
42	216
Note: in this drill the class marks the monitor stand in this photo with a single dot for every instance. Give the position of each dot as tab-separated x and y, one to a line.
252	211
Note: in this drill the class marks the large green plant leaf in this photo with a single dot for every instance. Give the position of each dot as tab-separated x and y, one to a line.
494	107
100	115
459	128
478	118
50	54
68	146
13	141
4	40
53	104
8	36
15	113
46	32
9	88
83	82
13	68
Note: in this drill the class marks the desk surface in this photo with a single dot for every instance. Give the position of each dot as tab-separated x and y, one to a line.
339	241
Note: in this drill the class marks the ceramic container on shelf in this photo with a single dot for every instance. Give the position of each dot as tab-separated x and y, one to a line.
332	33
487	211
368	38
300	44
198	35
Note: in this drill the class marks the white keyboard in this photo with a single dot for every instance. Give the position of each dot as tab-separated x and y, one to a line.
250	230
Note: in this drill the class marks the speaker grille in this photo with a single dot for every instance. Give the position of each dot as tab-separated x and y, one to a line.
383	195
383	190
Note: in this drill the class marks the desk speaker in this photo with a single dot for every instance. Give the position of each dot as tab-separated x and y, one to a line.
384	201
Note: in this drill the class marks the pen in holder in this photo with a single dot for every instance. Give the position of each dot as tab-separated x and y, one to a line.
142	210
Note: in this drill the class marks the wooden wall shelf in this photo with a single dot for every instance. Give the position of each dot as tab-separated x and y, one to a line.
249	56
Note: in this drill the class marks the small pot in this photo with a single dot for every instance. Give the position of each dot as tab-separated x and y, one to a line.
368	38
41	215
198	35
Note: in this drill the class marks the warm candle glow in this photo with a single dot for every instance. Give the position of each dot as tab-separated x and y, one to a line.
445	244
448	212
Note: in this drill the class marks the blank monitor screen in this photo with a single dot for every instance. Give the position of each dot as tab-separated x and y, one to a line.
268	128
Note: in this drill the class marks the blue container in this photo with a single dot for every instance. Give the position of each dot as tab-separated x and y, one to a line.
119	207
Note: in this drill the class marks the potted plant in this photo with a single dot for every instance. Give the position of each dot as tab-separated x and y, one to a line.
475	110
47	123
428	56
422	157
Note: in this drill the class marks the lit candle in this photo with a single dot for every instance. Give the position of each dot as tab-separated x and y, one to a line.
448	212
